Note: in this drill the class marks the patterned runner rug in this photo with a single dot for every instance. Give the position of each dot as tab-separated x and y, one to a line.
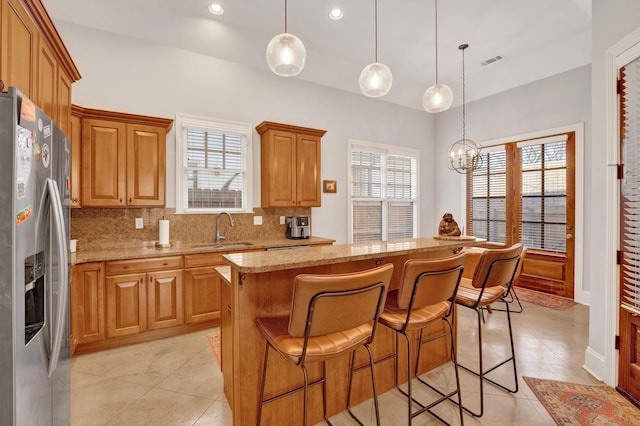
213	338
544	299
576	404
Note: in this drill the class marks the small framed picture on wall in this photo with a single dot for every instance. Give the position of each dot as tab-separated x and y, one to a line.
329	186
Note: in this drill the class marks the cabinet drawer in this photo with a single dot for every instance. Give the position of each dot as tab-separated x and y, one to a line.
137	265
203	259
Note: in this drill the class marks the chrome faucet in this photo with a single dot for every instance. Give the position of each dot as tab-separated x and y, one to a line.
218	236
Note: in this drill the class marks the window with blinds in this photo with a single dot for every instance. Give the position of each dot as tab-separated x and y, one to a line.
383	194
543	207
488	189
630	186
519	194
213	170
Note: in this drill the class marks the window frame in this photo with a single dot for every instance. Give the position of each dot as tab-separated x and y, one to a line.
184	121
385	150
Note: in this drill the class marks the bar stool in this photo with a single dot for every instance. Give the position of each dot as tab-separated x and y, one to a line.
330	315
491	282
426	295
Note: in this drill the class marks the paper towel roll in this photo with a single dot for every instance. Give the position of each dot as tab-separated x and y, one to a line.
164	232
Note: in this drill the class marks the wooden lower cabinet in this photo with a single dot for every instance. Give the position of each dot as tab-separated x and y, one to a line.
164	299
226	344
87	301
126	305
201	294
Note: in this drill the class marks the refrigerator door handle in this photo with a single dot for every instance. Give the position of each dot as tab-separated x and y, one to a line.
63	272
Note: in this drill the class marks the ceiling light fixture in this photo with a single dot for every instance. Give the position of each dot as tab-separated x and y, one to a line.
376	79
438	97
336	14
216	9
464	154
286	54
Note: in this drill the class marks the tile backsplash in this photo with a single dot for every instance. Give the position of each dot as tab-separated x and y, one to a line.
105	228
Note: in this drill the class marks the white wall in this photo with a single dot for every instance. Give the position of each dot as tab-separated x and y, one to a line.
612	21
129	75
553	102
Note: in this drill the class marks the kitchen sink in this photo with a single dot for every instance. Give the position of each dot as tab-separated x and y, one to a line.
221	246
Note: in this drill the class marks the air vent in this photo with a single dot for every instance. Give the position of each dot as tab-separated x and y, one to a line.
491	60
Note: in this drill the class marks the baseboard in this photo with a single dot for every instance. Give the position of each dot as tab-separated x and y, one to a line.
594	363
582	297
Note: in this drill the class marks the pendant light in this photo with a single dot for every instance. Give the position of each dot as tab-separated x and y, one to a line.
375	79
464	154
286	54
438	97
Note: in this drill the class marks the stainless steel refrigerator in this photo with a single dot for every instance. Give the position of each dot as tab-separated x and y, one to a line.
34	266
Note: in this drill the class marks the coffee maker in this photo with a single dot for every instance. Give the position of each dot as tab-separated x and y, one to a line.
298	227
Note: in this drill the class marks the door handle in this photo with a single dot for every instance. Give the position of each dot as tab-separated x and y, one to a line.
569	236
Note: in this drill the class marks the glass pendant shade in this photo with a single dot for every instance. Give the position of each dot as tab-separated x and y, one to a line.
286	55
375	80
437	98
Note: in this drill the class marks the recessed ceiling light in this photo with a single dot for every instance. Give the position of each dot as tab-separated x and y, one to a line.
216	9
336	14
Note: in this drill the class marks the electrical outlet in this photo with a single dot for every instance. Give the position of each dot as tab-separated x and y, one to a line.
139	223
282	220
257	220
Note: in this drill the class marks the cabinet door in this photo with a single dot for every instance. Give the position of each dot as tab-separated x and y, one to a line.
278	162
164	299
87	303
18	59
47	81
103	163
146	146
201	295
63	95
126	305
308	171
76	144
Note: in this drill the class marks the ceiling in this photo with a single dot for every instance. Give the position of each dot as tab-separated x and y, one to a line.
536	38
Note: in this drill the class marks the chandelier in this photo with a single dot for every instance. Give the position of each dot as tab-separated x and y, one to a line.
464	154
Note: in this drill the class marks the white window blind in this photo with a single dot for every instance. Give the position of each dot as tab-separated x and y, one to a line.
630	187
383	194
543	212
488	197
214	166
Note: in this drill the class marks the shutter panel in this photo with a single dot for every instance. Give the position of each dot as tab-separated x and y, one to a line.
630	187
488	197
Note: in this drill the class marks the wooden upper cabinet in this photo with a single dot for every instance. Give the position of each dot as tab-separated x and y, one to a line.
103	163
123	159
19	56
46	96
146	165
34	59
290	165
75	134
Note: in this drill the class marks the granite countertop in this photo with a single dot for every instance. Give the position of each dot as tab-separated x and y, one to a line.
180	248
267	261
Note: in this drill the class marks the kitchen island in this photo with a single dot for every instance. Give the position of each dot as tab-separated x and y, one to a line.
259	284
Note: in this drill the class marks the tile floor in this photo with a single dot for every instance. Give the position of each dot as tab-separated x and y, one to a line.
176	381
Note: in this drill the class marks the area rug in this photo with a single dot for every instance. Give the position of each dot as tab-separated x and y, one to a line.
213	338
544	299
576	404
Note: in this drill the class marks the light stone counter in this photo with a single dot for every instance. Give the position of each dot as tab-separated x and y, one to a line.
268	261
181	248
